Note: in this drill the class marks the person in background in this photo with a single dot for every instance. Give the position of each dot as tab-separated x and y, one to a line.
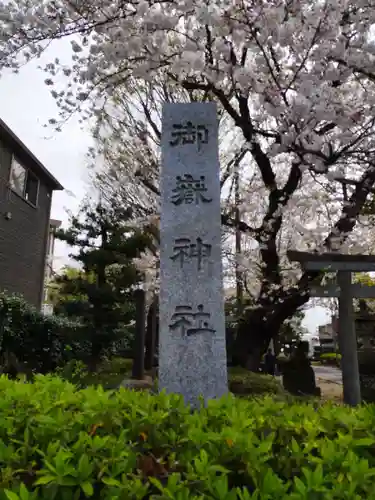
270	363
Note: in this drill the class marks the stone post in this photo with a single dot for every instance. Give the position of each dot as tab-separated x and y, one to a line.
192	353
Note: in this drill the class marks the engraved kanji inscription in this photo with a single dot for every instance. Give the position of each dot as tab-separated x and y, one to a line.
185	250
189	190
187	322
188	133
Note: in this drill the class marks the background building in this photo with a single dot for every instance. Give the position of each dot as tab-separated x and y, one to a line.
26	189
328	337
49	271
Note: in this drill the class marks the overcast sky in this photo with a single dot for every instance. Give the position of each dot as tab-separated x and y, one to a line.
26	106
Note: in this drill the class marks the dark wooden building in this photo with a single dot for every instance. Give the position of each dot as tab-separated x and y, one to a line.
26	189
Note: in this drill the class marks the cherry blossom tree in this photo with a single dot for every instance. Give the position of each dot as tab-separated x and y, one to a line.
295	77
126	156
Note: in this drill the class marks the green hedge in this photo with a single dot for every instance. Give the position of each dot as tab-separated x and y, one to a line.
244	382
109	374
330	358
57	442
112	371
37	343
330	355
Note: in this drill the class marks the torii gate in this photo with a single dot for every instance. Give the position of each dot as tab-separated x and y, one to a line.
345	290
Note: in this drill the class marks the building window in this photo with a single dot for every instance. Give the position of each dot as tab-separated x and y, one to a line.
24	182
51	241
18	177
31	188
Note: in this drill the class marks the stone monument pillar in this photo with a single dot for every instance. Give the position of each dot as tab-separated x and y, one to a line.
192	352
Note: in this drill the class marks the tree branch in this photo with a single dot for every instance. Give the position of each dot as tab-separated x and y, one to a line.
264	165
267	233
235	161
298	295
228	221
351	209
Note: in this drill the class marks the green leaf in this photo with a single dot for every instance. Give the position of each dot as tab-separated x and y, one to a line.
84	466
11	495
26	435
364	442
45	480
300	486
243	494
295	447
50	466
67	481
318	474
87	489
110	481
157	484
24	493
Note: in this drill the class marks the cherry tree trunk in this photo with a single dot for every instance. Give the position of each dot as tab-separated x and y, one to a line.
256	331
252	339
152	330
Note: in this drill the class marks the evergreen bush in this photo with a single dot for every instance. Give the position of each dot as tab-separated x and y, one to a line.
31	342
57	442
245	382
330	358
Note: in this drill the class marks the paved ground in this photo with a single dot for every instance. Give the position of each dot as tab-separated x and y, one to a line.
328	378
328	373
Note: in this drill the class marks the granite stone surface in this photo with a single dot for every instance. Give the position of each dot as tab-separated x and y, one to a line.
192	351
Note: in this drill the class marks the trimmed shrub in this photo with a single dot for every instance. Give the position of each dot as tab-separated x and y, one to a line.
75	372
330	355
244	382
57	442
116	364
109	374
31	342
330	358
